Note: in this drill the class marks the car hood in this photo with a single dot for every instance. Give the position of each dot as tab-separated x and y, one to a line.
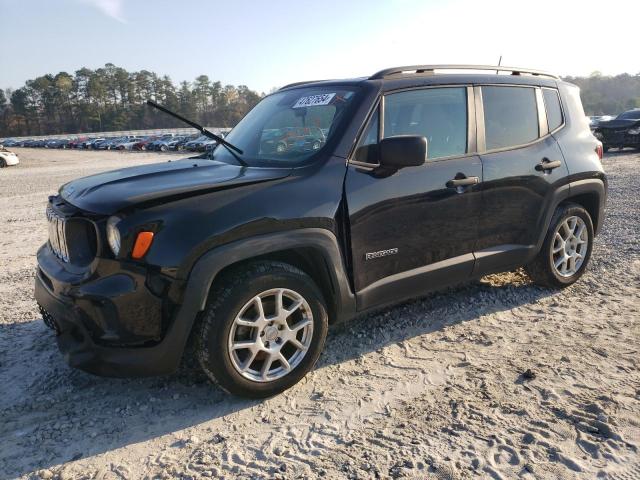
619	123
106	193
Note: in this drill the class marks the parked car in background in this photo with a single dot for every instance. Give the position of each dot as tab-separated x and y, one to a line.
89	144
57	143
142	144
9	142
159	141
128	144
621	132
7	158
75	142
595	120
111	143
292	138
196	144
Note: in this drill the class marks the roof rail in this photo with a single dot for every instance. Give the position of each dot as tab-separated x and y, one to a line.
295	84
430	69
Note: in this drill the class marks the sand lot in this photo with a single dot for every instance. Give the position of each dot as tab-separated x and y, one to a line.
433	387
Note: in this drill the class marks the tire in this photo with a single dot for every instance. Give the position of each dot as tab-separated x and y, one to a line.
235	300
605	149
3	163
542	269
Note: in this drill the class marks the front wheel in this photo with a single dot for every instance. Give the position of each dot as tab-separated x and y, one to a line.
3	163
566	250
263	330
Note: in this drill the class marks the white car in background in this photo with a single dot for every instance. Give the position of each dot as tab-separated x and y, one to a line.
7	158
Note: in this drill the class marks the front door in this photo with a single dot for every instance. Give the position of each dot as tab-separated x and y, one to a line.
415	229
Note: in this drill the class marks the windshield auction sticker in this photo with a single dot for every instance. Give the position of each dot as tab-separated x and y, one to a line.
314	100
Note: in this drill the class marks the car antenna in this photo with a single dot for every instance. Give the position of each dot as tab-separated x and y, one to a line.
200	128
499	63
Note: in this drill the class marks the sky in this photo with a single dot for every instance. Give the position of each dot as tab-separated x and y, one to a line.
268	43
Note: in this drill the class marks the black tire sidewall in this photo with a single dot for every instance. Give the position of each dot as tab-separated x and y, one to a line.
213	351
561	216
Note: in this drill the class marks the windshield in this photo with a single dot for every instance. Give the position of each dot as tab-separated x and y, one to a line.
287	128
633	114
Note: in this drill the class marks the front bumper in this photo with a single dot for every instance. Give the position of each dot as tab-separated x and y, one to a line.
107	324
612	138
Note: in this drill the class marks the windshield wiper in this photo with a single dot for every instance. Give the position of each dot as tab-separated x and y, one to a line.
229	146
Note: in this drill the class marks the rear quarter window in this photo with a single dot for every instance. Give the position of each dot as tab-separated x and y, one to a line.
552	105
510	116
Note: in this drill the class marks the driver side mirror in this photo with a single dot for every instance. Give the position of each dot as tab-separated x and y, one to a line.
403	151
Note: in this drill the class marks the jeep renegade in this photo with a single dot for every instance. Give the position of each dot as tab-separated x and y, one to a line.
410	180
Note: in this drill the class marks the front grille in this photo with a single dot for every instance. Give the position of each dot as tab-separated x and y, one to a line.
48	319
58	234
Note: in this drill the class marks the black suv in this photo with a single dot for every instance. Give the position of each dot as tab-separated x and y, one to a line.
426	177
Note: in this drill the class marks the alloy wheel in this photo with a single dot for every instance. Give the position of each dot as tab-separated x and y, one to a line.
570	244
270	335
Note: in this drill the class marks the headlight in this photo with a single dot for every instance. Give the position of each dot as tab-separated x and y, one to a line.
634	131
113	235
598	135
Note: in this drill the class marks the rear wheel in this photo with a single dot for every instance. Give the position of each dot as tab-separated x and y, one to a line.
566	249
3	163
263	329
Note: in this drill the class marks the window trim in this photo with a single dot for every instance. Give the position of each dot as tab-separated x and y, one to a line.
472	125
557	92
542	117
482	149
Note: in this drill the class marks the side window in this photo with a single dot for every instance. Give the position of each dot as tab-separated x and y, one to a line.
439	114
510	116
552	105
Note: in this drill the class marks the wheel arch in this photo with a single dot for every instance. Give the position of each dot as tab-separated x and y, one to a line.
591	195
315	251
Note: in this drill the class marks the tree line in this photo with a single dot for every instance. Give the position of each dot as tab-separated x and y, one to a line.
111	99
606	95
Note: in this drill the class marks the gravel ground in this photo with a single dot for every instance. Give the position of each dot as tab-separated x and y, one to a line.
434	387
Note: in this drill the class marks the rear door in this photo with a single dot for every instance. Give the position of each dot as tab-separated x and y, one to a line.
523	166
413	229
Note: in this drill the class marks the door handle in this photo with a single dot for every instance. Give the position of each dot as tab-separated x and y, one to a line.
462	182
547	164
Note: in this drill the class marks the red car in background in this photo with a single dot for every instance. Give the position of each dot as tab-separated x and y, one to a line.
142	145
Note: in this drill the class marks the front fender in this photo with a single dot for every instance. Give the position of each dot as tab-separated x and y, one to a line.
322	241
208	266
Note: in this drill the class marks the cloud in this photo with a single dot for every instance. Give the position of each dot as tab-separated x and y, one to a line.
111	8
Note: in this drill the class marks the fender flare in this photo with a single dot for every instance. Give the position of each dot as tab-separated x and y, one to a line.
568	191
323	241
